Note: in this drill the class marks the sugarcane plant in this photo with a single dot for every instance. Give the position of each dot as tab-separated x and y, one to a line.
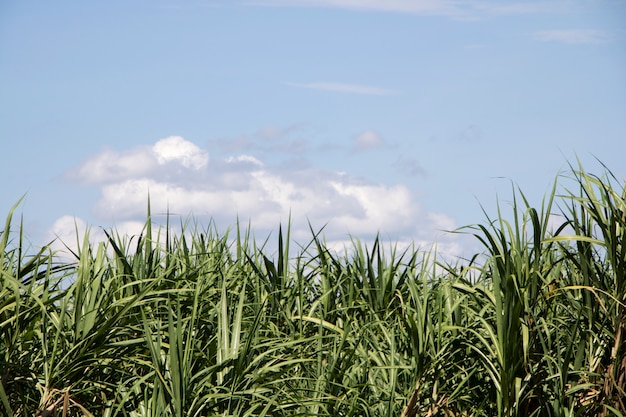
185	320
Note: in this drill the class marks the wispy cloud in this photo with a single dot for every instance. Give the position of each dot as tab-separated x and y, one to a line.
345	88
410	167
195	5
462	9
268	140
572	36
274	133
516	7
403	6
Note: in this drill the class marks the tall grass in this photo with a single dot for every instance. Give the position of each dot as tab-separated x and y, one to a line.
201	323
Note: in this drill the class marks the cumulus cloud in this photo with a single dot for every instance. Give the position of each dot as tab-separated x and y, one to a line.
571	36
381	207
69	234
66	233
111	165
177	149
140	162
243	186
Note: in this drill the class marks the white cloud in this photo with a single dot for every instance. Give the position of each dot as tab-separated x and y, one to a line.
113	166
68	234
383	208
245	187
461	9
129	199
404	6
368	140
177	149
141	162
67	231
572	36
344	88
520	7
246	159
269	198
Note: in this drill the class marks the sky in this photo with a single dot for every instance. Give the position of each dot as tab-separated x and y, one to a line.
407	118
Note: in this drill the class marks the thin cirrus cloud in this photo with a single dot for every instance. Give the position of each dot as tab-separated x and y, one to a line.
572	36
345	88
268	139
450	8
180	180
405	6
410	167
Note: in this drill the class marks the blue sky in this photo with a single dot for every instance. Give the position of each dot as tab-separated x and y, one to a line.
398	116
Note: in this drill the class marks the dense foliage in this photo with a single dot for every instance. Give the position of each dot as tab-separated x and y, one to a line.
202	324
